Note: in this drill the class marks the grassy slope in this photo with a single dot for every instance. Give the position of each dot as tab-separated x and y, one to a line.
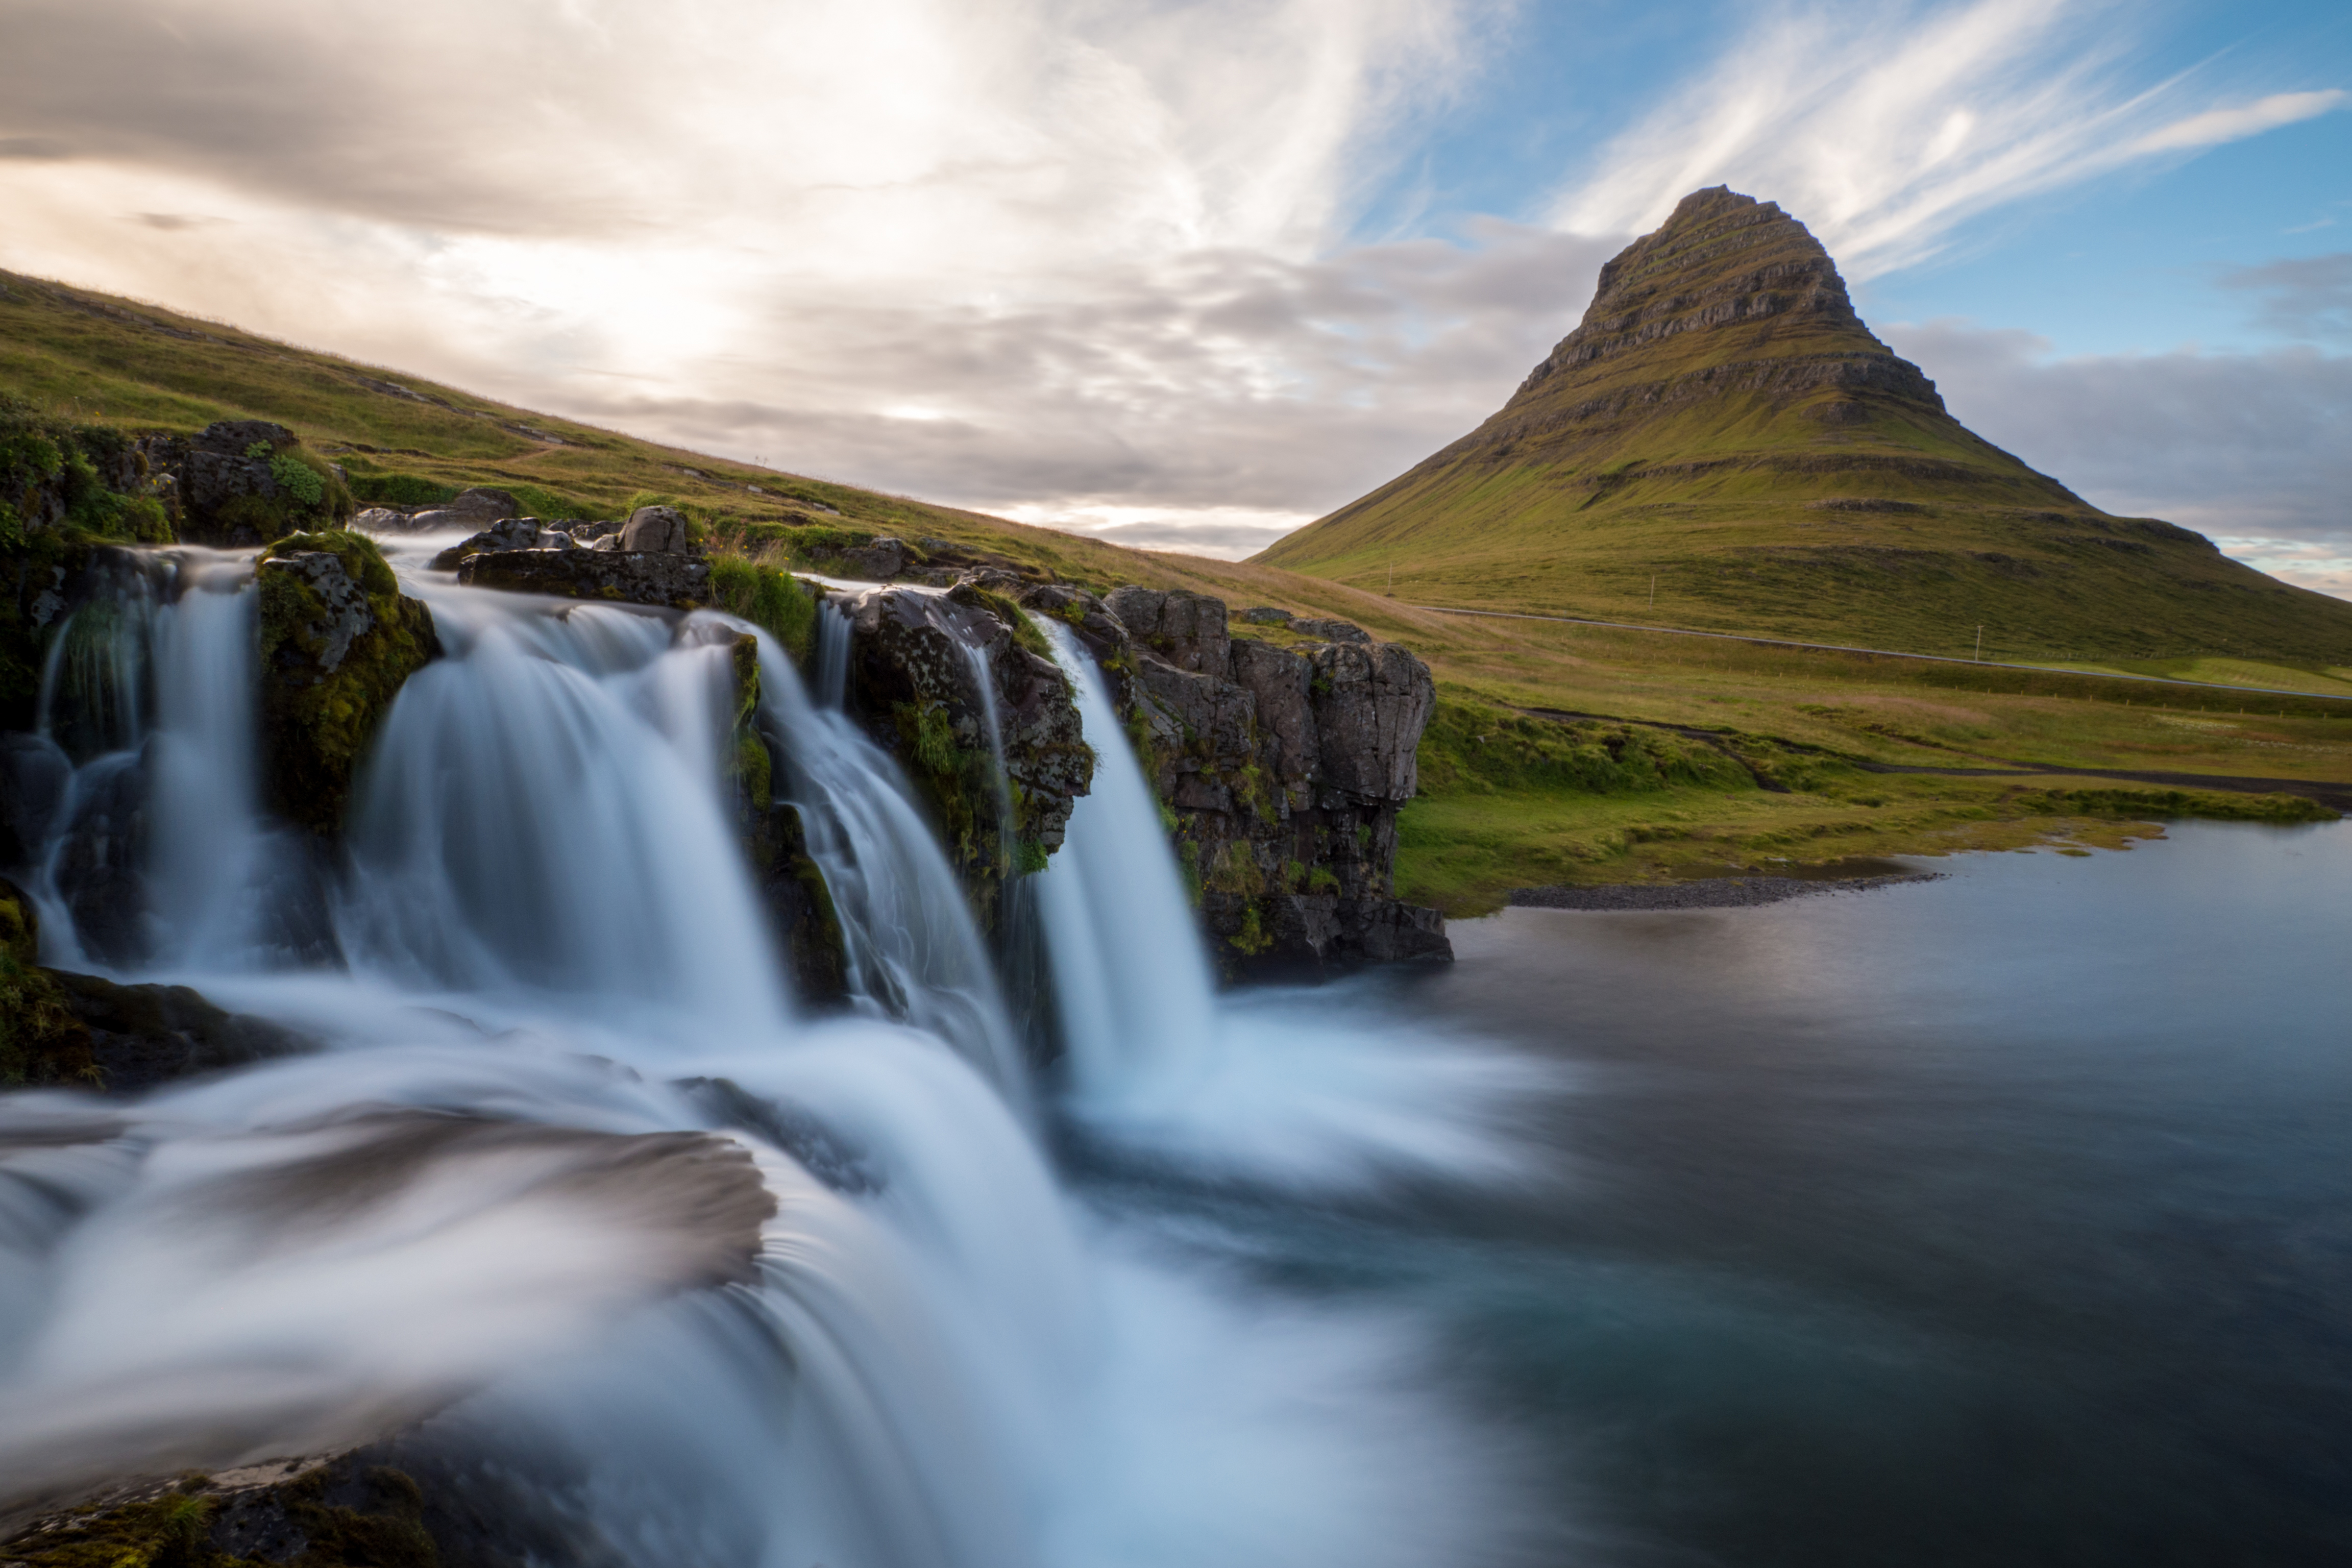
1478	829
1690	467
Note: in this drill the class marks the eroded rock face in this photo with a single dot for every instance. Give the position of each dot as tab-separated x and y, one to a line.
338	638
1284	767
927	670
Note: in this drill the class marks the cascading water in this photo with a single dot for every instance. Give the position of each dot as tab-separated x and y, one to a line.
1133	987
521	1195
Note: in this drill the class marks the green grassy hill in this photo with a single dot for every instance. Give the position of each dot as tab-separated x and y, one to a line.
1723	445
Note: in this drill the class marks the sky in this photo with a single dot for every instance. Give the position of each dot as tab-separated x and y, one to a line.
1191	273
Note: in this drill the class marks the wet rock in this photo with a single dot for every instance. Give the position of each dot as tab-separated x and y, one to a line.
382	520
338	639
41	1041
918	665
506	533
1283	769
617	575
145	1034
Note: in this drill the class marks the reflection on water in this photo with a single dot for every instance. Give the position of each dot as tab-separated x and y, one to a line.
2005	1219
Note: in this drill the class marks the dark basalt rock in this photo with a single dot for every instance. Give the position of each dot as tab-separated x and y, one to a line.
338	638
918	662
622	576
1284	768
145	1034
243	482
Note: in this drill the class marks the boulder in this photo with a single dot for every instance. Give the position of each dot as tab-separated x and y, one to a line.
243	482
656	529
506	533
876	561
1265	616
145	1034
338	638
625	577
382	520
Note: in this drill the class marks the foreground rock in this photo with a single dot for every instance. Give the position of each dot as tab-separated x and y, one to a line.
243	482
79	1031
338	638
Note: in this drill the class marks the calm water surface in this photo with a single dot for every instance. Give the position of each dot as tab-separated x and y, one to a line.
2005	1219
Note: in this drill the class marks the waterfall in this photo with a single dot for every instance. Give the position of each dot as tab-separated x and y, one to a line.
151	849
832	630
541	815
1133	987
578	1196
913	950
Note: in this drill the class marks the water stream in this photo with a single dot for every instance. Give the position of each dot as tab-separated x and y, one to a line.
577	1183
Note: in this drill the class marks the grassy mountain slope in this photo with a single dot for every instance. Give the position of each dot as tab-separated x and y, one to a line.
1487	821
1723	432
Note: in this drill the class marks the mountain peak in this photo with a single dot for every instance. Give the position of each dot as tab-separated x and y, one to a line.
1721	434
1755	291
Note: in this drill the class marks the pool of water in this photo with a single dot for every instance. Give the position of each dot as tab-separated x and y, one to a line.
2001	1219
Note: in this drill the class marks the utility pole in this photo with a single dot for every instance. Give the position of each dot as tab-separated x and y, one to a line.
1392	579
1654	591
1980	645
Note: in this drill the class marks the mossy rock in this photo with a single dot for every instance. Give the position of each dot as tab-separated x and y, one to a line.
41	1041
338	639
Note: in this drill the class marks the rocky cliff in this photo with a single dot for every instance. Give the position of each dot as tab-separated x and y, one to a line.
1280	761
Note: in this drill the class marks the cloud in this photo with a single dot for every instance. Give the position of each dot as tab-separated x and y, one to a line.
2307	297
2253	451
2216	126
1080	261
1885	127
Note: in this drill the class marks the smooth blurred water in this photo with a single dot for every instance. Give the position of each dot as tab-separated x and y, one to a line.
2005	1219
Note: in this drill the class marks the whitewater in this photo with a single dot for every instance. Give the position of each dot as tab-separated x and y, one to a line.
577	1187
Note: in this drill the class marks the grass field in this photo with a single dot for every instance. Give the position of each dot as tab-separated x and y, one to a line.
1808	724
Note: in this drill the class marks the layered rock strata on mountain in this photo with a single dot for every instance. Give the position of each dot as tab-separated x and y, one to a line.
1283	769
338	638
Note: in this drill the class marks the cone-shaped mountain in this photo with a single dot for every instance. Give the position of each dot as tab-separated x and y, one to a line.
1723	422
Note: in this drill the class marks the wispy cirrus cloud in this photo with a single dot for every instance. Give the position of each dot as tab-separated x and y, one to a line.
1080	261
1887	127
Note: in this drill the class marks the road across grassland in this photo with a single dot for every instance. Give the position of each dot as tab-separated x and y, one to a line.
1882	653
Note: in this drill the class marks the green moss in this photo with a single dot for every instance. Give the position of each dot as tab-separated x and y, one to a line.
775	601
41	1041
1234	869
1252	937
2217	805
1030	857
316	720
